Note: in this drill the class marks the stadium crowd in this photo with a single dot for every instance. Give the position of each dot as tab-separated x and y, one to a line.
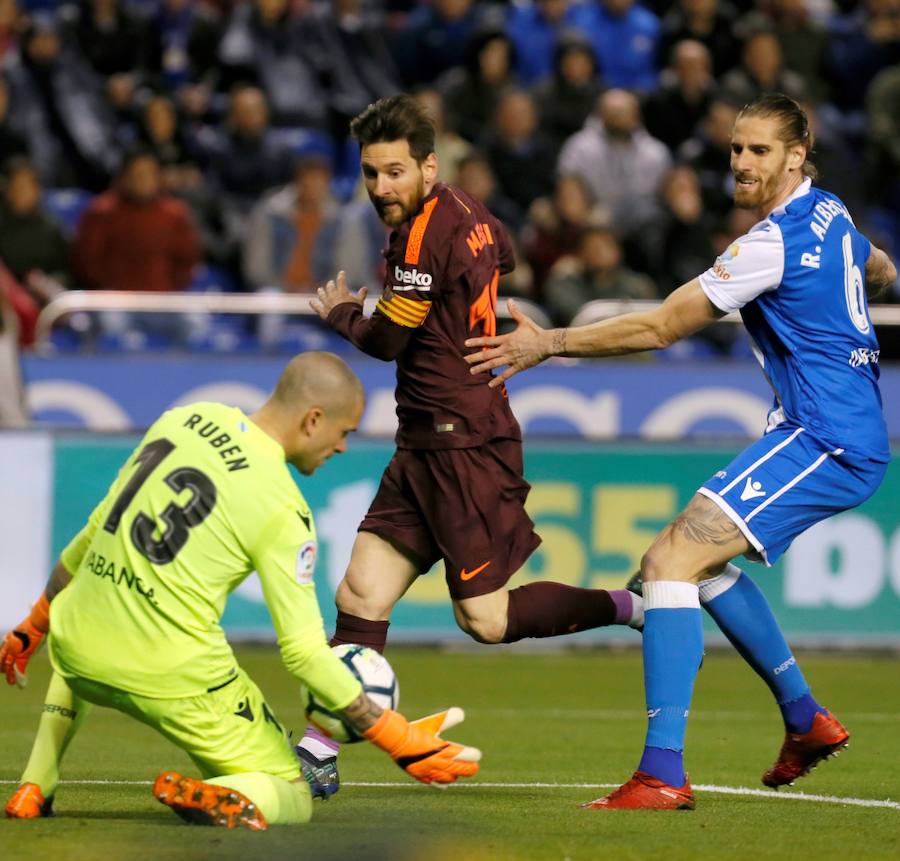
170	145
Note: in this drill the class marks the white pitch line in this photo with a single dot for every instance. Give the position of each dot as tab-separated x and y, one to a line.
629	714
702	787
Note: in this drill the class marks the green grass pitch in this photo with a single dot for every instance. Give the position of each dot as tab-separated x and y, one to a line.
556	728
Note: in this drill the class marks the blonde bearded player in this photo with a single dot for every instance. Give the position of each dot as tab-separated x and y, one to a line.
134	604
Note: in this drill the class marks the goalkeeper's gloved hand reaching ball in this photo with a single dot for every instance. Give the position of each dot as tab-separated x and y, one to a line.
416	746
21	642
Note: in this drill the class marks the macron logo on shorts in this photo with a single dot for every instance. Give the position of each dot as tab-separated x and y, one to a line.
752	490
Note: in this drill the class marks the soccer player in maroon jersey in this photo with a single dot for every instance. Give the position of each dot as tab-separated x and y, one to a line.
454	489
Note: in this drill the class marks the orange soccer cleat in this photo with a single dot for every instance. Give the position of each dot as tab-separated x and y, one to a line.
800	754
28	802
207	803
645	792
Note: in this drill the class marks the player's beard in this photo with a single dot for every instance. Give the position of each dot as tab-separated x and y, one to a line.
402	210
766	189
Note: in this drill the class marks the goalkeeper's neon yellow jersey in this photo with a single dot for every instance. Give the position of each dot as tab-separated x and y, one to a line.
205	499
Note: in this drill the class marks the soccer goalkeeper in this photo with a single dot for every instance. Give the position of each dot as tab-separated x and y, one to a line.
133	609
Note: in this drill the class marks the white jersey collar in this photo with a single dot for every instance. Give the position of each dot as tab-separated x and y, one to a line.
801	189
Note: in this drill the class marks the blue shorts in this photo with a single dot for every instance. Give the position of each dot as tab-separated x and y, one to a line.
785	483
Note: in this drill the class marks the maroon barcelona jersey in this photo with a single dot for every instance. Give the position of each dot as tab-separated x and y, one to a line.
440	287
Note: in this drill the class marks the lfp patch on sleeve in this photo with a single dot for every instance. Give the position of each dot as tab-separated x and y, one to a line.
306	563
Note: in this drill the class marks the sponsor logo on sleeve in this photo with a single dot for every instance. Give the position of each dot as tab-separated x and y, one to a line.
306	563
410	279
720	267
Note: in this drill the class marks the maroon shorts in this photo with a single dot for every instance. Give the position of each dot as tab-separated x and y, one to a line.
465	506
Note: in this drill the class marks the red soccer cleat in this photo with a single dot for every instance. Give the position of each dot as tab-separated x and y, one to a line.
207	803
800	754
28	802
645	792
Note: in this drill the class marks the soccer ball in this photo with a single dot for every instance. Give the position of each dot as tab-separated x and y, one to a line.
377	678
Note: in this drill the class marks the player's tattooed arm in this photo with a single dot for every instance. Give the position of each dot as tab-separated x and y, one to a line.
880	273
58	581
558	342
362	712
703	522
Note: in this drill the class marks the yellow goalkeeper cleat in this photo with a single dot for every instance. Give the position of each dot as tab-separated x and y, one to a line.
28	802
202	803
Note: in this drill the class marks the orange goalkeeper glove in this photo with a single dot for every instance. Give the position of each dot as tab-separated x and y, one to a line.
20	643
418	749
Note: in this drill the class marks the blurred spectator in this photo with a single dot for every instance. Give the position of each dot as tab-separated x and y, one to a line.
475	177
134	236
762	70
244	159
839	165
350	51
685	244
10	27
710	22
555	225
882	170
674	111
264	44
435	38
12	141
620	162
108	35
736	223
182	44
58	103
472	92
32	245
862	42
534	28
708	152
520	155
299	236
160	131
13	412
803	40
186	182
625	37
566	98
594	272
882	156
449	147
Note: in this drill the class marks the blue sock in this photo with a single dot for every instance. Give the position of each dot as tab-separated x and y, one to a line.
740	609
673	649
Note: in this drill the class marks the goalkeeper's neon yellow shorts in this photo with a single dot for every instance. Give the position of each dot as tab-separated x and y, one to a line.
226	731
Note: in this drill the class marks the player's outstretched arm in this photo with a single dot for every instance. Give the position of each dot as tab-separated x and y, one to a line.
336	293
880	273
22	641
685	311
526	346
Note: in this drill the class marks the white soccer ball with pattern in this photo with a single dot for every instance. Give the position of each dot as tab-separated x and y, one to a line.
378	679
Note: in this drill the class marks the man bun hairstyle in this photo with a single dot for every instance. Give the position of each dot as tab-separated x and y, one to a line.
793	124
396	118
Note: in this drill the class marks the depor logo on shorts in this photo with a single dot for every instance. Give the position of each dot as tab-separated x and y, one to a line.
410	279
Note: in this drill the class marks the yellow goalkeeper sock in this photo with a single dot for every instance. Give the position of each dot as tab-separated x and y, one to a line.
62	716
282	802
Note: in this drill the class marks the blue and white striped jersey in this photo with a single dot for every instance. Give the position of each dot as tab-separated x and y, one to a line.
798	278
